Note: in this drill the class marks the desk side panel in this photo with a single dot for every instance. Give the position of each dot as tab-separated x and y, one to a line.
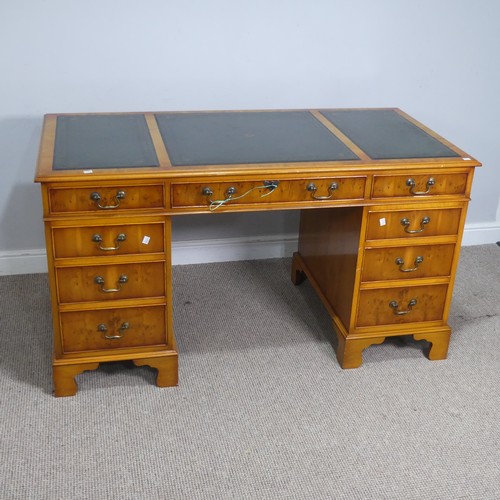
328	244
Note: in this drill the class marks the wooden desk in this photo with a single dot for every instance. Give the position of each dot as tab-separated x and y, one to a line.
381	245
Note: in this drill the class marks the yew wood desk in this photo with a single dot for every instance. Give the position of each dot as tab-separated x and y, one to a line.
383	201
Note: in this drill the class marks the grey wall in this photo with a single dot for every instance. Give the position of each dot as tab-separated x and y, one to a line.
437	60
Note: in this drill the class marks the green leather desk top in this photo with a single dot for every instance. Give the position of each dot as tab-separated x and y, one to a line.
249	137
103	141
100	141
384	134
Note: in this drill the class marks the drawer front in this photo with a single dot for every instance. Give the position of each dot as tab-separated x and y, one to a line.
96	283
395	263
413	223
390	186
113	328
254	192
105	199
391	306
126	239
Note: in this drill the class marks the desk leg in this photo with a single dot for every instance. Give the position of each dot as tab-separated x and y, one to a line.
298	275
439	343
166	366
350	351
64	378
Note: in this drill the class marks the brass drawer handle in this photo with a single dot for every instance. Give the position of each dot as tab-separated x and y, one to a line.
207	191
99	280
400	262
104	329
395	305
97	238
406	223
411	183
96	198
312	188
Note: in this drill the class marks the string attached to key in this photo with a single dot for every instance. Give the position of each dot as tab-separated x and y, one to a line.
215	204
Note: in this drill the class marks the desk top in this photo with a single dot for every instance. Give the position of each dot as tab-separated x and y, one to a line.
172	143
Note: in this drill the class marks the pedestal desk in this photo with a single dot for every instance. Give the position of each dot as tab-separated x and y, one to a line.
383	201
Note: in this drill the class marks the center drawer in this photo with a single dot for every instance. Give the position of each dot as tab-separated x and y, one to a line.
113	328
267	191
110	282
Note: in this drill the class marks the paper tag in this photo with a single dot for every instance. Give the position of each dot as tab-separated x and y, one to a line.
88	171
466	159
145	240
382	221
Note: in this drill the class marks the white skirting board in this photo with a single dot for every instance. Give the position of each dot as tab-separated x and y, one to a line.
223	250
23	262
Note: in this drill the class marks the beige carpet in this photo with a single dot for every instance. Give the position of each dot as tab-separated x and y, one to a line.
263	410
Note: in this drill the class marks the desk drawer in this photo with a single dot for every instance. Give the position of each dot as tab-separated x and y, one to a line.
395	263
391	306
128	327
413	223
110	282
105	199
123	239
390	186
267	191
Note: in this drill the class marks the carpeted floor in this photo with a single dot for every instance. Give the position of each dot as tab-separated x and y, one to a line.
262	410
